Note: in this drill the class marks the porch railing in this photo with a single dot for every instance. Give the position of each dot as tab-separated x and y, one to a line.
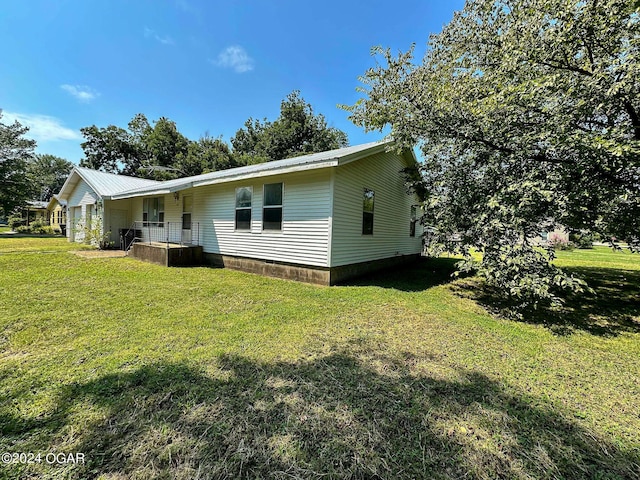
160	232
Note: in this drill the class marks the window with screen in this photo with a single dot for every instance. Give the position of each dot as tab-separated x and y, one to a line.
244	196
414	219
367	212
272	207
153	212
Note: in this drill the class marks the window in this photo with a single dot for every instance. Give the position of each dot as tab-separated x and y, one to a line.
243	208
367	212
272	207
414	219
153	212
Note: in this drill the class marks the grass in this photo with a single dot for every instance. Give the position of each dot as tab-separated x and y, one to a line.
208	373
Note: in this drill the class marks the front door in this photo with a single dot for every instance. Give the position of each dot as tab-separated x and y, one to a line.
187	205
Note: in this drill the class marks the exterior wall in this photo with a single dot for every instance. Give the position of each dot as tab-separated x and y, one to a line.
392	211
117	216
306	211
84	198
58	212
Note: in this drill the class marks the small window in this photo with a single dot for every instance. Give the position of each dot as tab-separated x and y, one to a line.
243	208
153	212
414	219
367	212
272	207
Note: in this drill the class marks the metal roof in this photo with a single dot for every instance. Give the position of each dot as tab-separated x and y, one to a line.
329	158
107	184
104	184
37	204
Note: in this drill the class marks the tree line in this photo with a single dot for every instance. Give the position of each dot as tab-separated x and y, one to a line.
157	150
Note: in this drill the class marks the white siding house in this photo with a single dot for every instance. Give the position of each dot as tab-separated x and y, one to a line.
303	218
88	196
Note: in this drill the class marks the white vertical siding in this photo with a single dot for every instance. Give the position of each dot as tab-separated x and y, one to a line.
84	197
392	211
304	238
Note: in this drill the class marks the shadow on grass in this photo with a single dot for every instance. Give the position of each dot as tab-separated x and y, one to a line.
417	276
609	312
29	235
334	417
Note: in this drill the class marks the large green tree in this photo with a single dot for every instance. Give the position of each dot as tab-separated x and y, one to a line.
47	174
142	150
528	116
109	149
206	155
297	131
15	153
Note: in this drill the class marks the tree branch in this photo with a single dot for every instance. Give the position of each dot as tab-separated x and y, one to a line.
635	121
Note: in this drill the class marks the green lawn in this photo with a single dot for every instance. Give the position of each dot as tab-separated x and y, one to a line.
154	372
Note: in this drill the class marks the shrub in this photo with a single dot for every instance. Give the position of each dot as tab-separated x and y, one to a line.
15	221
559	242
583	239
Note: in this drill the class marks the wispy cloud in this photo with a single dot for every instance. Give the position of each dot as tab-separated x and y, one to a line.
186	6
81	92
236	58
42	128
165	40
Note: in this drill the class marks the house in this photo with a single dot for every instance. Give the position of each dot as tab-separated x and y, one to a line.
35	210
320	218
57	211
88	193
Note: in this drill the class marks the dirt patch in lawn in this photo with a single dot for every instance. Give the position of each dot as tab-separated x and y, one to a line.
100	253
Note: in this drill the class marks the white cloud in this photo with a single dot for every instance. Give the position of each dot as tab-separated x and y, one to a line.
42	128
80	92
187	7
165	40
234	57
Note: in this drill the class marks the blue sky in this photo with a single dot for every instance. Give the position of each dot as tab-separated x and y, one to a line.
206	65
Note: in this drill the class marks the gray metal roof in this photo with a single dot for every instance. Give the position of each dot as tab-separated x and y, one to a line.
37	204
108	184
315	160
104	184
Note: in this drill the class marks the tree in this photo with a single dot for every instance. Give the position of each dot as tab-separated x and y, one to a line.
15	152
206	155
163	145
142	150
47	174
527	113
107	149
297	131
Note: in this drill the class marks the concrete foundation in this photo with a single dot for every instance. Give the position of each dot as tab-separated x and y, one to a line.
355	270
171	255
302	273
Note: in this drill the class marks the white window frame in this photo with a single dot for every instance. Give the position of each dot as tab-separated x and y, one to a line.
281	207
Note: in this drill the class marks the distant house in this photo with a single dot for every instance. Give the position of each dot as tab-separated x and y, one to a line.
320	218
35	210
57	211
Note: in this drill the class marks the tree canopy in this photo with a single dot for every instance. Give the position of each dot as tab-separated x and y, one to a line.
47	173
528	116
161	152
15	154
142	150
297	131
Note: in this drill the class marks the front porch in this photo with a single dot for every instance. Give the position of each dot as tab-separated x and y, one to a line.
167	254
170	244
